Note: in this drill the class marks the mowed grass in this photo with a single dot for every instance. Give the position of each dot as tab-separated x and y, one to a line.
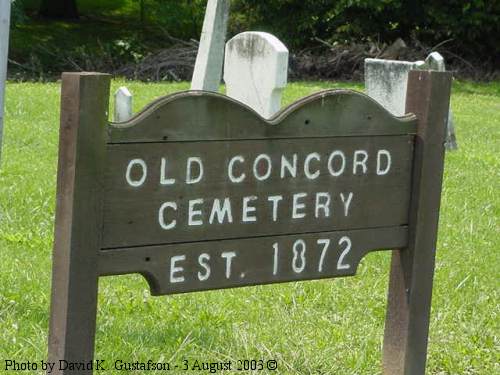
320	327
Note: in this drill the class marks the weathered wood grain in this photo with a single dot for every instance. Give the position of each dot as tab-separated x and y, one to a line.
412	270
131	213
198	115
84	106
253	260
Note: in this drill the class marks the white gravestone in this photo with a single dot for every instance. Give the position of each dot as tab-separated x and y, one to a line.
256	71
123	105
208	68
386	82
4	51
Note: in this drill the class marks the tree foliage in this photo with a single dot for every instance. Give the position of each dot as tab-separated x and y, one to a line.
17	13
59	9
181	18
473	25
470	28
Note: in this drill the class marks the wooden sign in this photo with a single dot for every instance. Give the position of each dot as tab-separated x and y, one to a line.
198	192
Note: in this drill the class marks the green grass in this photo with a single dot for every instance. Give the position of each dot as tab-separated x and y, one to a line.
319	327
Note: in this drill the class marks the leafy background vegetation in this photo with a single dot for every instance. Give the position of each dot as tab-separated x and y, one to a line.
120	31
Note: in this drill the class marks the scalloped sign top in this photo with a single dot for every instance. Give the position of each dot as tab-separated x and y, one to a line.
201	192
200	115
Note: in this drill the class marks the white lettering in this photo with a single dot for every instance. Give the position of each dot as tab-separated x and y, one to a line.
203	261
340	264
246	218
298	206
387	154
338	172
189	176
299	256
275	199
286	166
131	164
347	202
174	269
325	205
360	162
230	173
265	176
192	213
307	169
163	174
276	255
161	215
326	243
229	255
221	212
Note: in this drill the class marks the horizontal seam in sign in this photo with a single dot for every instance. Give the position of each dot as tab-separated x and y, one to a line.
109	249
263	139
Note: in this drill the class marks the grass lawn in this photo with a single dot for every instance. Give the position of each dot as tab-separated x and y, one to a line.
319	327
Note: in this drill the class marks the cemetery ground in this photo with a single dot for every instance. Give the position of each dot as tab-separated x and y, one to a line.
321	327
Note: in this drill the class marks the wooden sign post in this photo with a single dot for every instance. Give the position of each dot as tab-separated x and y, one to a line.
199	192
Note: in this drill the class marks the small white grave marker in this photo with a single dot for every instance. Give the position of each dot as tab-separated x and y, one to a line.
4	51
256	70
123	104
208	68
435	62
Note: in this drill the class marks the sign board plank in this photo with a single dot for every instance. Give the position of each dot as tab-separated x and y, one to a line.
196	191
221	264
199	115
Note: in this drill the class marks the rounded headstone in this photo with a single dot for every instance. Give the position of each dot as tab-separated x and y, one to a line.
256	71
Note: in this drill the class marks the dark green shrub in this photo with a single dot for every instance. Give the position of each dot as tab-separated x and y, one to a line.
17	13
473	25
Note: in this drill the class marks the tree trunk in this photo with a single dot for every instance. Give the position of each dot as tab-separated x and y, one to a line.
59	9
142	12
